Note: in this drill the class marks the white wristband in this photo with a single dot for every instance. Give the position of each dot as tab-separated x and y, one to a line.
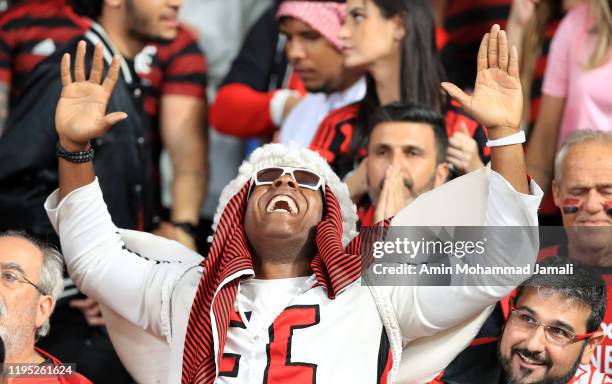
277	105
516	138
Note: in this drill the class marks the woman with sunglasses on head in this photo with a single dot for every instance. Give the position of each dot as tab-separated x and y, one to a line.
395	41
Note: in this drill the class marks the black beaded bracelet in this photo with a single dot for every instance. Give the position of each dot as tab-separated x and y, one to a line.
74	157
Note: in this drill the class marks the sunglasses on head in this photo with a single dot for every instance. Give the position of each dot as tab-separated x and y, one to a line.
303	177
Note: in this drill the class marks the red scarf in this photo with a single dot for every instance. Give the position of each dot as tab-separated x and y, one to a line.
230	258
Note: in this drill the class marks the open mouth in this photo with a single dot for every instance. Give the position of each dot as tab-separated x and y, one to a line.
531	362
282	204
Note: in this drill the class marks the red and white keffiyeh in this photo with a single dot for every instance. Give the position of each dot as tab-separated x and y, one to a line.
326	17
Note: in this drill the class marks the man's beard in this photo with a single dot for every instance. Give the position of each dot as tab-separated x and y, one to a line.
506	364
138	26
14	338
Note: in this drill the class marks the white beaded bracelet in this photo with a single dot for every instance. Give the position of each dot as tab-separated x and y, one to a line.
516	138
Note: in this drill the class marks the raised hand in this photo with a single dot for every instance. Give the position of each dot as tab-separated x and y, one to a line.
81	111
497	101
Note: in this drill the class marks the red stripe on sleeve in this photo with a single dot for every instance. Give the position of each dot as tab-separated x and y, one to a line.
240	111
183	89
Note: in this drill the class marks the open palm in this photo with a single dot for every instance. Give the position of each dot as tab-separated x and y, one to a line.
81	111
497	100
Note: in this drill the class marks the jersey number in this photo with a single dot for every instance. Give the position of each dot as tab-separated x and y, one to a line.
280	368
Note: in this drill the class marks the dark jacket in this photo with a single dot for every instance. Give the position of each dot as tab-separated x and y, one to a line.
28	164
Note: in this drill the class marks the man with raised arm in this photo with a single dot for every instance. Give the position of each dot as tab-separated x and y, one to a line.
279	299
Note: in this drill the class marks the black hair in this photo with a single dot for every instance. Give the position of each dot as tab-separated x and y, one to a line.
89	8
583	285
414	113
421	70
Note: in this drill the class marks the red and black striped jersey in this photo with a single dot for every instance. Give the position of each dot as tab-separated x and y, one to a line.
31	31
466	22
333	138
176	67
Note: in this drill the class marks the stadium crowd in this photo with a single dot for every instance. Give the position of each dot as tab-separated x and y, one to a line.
189	190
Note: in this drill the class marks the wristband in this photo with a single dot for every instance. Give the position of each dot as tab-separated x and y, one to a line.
516	138
75	157
277	105
188	228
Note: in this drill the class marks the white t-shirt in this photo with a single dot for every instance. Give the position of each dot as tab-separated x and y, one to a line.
285	327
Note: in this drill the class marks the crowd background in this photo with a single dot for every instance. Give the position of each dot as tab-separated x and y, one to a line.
209	81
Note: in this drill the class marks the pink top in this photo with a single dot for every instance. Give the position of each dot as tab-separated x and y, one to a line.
587	91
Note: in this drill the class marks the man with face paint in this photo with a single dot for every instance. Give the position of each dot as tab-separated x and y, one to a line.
406	157
582	189
279	299
553	327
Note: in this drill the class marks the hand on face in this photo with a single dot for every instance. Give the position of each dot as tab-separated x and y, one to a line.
393	196
357	181
463	151
81	111
497	101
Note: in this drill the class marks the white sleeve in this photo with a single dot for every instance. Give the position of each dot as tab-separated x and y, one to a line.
103	268
427	310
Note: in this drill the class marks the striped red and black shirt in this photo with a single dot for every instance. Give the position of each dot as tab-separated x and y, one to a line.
31	31
466	22
176	67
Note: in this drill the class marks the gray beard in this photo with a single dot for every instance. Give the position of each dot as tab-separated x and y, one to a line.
15	340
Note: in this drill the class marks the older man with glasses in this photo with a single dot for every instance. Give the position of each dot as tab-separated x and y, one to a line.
30	282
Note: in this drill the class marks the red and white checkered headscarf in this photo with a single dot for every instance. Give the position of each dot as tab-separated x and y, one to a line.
326	17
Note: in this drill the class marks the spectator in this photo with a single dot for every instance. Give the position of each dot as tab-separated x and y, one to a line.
173	75
314	51
329	84
259	78
30	282
582	189
29	32
395	42
34	29
407	156
569	309
574	98
279	209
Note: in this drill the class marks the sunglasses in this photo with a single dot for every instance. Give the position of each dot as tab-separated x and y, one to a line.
303	177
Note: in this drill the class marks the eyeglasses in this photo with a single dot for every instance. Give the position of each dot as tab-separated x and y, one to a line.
554	334
11	278
303	177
